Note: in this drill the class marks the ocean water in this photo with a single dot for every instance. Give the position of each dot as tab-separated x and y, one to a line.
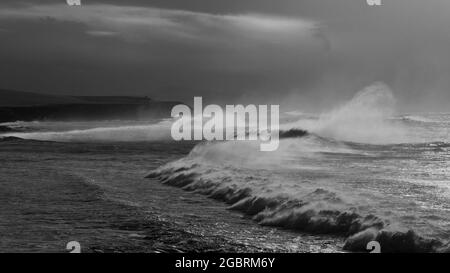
52	193
362	172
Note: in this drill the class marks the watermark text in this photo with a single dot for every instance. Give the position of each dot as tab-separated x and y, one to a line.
236	122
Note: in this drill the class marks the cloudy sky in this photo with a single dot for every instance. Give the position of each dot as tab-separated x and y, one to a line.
306	54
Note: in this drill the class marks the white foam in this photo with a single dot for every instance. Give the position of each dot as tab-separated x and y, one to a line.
152	132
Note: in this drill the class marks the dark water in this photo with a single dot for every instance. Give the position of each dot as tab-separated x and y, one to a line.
52	193
360	174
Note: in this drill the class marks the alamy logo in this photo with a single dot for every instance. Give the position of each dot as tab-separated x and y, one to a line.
73	2
74	247
374	247
237	122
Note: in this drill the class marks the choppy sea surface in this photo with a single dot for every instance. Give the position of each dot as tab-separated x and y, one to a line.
52	193
360	173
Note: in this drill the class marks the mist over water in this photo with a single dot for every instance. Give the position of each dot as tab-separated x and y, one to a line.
369	117
352	164
125	131
361	171
365	118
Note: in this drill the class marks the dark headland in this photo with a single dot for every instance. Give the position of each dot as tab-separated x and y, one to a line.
28	106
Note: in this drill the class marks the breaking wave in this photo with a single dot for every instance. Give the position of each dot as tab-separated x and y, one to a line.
419	119
303	185
126	133
366	118
232	173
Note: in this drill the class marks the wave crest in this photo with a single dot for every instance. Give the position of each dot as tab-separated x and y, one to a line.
307	208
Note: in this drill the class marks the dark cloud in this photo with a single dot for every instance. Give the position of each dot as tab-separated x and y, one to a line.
304	53
110	49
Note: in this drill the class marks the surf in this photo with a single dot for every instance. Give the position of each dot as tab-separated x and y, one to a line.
331	175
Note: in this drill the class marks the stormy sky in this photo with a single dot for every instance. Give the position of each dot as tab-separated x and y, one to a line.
306	54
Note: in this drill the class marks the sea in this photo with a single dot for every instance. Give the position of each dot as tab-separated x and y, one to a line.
358	173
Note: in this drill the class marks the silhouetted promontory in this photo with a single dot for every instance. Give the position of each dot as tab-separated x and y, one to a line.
27	106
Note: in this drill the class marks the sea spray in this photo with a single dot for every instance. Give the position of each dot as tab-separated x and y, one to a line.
320	181
118	132
236	122
365	119
296	205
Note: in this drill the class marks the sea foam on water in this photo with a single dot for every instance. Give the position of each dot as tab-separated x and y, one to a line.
316	182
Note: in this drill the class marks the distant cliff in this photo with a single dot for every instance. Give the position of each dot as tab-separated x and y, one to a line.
26	106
